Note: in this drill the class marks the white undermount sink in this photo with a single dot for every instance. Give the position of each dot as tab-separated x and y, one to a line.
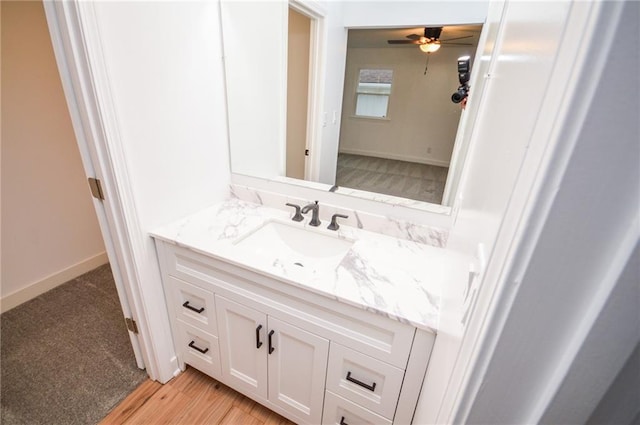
293	246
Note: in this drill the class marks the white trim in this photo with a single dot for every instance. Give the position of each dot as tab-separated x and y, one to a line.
109	161
400	157
76	39
284	66
41	286
57	20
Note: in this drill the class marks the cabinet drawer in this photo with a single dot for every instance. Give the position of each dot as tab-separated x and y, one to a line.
199	349
339	411
193	305
364	380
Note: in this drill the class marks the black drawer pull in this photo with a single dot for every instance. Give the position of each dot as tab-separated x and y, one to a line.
192	344
362	384
197	310
271	347
342	422
258	342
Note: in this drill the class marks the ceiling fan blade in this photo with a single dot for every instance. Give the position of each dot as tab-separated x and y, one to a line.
457	38
414	37
456	44
404	42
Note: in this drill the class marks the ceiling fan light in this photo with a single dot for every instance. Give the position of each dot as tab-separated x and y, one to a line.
430	48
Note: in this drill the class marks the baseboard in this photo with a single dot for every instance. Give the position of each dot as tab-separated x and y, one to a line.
56	279
407	158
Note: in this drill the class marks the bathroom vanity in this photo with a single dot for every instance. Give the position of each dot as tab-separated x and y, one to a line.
321	326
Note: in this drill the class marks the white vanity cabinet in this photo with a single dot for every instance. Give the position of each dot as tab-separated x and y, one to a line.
269	359
306	356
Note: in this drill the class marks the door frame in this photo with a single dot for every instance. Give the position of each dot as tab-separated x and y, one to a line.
76	44
317	46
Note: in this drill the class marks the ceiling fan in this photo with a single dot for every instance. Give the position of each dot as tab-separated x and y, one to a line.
430	42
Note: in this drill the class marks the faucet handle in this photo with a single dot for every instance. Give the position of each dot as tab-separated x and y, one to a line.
334	224
297	216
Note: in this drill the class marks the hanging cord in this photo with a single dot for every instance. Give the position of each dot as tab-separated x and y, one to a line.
426	65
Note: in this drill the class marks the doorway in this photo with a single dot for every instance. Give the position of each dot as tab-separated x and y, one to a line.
298	50
50	232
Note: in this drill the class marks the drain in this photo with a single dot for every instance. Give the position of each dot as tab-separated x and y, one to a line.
298	264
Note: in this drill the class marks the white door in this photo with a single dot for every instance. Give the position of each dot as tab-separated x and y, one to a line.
243	346
91	150
297	370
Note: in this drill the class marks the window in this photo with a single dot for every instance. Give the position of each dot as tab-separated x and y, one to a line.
372	92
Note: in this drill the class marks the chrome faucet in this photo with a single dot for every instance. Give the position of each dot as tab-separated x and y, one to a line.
315	208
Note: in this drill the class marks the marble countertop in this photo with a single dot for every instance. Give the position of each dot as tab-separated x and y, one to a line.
396	278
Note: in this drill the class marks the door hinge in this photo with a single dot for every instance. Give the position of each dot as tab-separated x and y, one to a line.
306	152
96	188
131	325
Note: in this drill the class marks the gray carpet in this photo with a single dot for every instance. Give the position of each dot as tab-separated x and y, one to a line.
66	357
410	180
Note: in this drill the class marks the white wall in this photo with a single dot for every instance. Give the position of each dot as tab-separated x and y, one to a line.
576	271
166	87
422	120
333	71
621	403
49	229
165	72
145	82
559	229
413	13
500	141
255	49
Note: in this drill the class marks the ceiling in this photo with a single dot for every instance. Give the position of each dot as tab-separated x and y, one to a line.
378	37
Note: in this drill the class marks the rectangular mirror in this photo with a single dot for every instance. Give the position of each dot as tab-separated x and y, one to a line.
354	95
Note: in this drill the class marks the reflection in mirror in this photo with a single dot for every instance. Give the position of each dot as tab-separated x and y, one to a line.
399	124
373	90
315	98
298	52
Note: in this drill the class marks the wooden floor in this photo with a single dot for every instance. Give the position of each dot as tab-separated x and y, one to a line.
191	398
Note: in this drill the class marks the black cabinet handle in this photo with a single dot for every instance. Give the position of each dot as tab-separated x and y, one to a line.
362	384
258	342
342	422
192	344
197	310
271	347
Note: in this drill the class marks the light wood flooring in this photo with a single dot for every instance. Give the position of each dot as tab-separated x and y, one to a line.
191	398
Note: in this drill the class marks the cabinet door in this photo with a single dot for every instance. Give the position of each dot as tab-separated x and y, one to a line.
243	349
297	370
